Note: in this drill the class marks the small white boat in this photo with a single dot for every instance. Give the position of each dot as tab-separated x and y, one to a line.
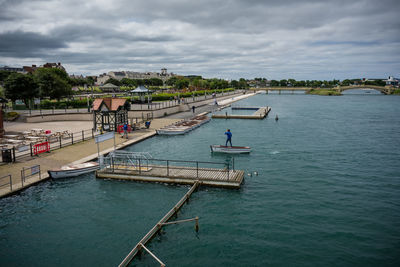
230	149
73	170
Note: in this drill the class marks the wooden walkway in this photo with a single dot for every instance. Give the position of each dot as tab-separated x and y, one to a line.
175	174
261	113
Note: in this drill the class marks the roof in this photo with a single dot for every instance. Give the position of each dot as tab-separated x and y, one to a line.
140	89
113	104
109	85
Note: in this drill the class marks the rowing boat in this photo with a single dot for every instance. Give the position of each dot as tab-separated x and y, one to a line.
73	170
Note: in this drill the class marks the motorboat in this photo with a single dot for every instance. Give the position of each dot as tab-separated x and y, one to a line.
230	149
72	170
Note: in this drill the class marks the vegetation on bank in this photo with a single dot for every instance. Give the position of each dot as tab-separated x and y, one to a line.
396	92
323	92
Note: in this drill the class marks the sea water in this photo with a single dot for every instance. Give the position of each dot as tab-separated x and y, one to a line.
322	188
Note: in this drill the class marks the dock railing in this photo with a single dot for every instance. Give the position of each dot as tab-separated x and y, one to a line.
170	168
5	181
28	172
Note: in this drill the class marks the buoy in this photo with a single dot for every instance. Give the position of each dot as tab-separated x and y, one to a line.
276	118
249	174
256	173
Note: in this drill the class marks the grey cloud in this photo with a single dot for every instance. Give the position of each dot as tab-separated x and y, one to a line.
231	38
27	44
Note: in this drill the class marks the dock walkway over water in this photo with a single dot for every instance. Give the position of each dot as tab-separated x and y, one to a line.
137	166
261	113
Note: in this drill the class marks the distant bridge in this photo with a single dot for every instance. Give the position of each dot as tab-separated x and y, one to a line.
382	89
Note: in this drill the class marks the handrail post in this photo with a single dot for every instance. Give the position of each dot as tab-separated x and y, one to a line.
83	136
167	168
10	183
197	169
140	168
22	176
228	171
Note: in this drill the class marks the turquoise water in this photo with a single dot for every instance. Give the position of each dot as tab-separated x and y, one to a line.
327	193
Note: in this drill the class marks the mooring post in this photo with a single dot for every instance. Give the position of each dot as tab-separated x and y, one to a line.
196	226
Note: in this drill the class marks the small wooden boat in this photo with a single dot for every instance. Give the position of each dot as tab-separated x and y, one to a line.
230	149
73	170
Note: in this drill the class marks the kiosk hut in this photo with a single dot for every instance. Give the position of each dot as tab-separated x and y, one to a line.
142	91
109	87
109	113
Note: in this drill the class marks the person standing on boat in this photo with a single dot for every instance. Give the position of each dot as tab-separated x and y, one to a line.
228	137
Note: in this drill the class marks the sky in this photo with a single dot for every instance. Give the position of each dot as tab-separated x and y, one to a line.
229	39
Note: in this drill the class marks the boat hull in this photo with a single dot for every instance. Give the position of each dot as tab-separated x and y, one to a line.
73	170
230	149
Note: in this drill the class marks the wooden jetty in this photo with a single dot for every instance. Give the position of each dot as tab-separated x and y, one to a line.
261	113
140	246
136	166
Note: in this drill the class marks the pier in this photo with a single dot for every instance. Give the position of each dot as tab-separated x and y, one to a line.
260	113
140	166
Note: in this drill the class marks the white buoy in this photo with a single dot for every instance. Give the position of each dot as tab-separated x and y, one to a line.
256	173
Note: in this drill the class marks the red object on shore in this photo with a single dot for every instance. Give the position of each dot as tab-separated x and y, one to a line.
121	128
41	148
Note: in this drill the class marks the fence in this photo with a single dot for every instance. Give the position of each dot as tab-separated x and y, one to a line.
144	165
29	172
134	107
6	180
26	174
52	142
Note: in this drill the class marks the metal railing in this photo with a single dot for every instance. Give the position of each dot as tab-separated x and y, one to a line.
147	166
55	142
6	180
28	172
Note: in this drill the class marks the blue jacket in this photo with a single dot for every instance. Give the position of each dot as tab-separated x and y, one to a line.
228	135
126	127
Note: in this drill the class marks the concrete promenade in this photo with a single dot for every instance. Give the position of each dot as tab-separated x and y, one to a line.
87	150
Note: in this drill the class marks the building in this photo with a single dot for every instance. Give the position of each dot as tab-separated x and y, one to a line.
391	81
12	69
110	113
54	66
119	75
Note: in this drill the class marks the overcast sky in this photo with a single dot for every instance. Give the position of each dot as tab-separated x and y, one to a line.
227	39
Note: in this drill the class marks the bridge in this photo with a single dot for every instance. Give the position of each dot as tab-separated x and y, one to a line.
383	89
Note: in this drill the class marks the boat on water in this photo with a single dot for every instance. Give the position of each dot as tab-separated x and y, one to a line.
184	126
230	149
72	170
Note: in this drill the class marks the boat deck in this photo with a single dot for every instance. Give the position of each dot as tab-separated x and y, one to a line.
175	174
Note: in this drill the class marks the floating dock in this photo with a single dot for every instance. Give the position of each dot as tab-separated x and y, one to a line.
137	166
261	113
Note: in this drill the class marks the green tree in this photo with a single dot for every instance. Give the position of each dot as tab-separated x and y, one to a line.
21	86
182	83
53	83
114	81
172	81
4	75
128	82
282	83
